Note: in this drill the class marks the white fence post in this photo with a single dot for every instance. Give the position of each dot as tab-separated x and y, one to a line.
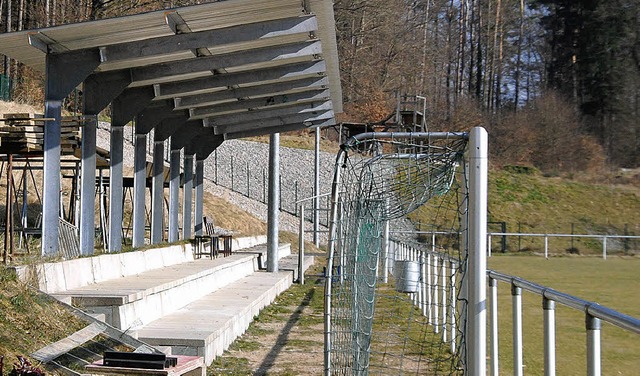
516	293
549	307
493	322
452	308
604	247
301	247
593	345
477	253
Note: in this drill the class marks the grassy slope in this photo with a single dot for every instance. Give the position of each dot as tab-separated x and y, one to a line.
29	321
553	204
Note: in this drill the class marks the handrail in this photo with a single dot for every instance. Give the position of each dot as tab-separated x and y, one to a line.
563	235
312	197
594	309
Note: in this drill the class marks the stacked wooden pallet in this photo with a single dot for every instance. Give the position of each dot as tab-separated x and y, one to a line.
24	133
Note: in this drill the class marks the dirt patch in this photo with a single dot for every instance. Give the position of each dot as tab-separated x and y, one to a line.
285	339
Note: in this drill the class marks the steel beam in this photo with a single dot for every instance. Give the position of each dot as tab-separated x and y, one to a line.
249	119
198	211
273	203
301	118
280	129
172	71
209	38
108	86
116	215
153	115
88	187
157	194
130	103
174	190
187	196
238	107
256	91
64	71
139	183
205	85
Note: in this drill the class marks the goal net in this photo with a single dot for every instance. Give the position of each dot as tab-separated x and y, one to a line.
394	302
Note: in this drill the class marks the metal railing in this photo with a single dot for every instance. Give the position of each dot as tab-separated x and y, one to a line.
603	238
594	314
437	295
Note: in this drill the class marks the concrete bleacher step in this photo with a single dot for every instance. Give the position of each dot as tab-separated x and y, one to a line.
260	251
209	325
138	299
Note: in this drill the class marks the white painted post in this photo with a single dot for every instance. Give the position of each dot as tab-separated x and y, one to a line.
488	245
424	282
436	311
493	322
427	289
604	247
546	246
452	308
549	307
385	251
593	346
301	246
477	256
516	293
443	279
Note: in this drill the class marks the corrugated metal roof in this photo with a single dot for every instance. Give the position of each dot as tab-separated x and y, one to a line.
264	45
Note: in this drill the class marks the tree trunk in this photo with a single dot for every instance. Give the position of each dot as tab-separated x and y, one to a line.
519	57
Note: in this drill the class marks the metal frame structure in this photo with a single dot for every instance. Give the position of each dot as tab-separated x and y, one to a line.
474	283
200	75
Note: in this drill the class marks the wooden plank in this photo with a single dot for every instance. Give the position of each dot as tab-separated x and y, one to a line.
22	115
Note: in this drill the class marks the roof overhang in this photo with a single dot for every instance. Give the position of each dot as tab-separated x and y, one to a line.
240	67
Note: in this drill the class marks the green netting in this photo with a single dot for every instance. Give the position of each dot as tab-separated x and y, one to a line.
373	328
5	88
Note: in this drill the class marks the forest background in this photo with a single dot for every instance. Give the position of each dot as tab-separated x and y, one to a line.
555	82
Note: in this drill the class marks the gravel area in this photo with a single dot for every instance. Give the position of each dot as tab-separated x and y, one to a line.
238	171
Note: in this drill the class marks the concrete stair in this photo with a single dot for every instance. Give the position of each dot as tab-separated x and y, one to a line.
170	300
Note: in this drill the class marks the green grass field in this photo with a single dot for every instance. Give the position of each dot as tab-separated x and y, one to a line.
614	283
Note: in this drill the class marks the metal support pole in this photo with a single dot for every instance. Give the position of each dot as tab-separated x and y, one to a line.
516	296
8	228
157	196
436	310
593	345
139	183
493	322
199	199
426	300
604	247
385	252
443	279
489	246
546	247
452	308
116	214
316	189
51	179
174	193
87	190
273	203
477	315
428	290
301	247
549	306
187	197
